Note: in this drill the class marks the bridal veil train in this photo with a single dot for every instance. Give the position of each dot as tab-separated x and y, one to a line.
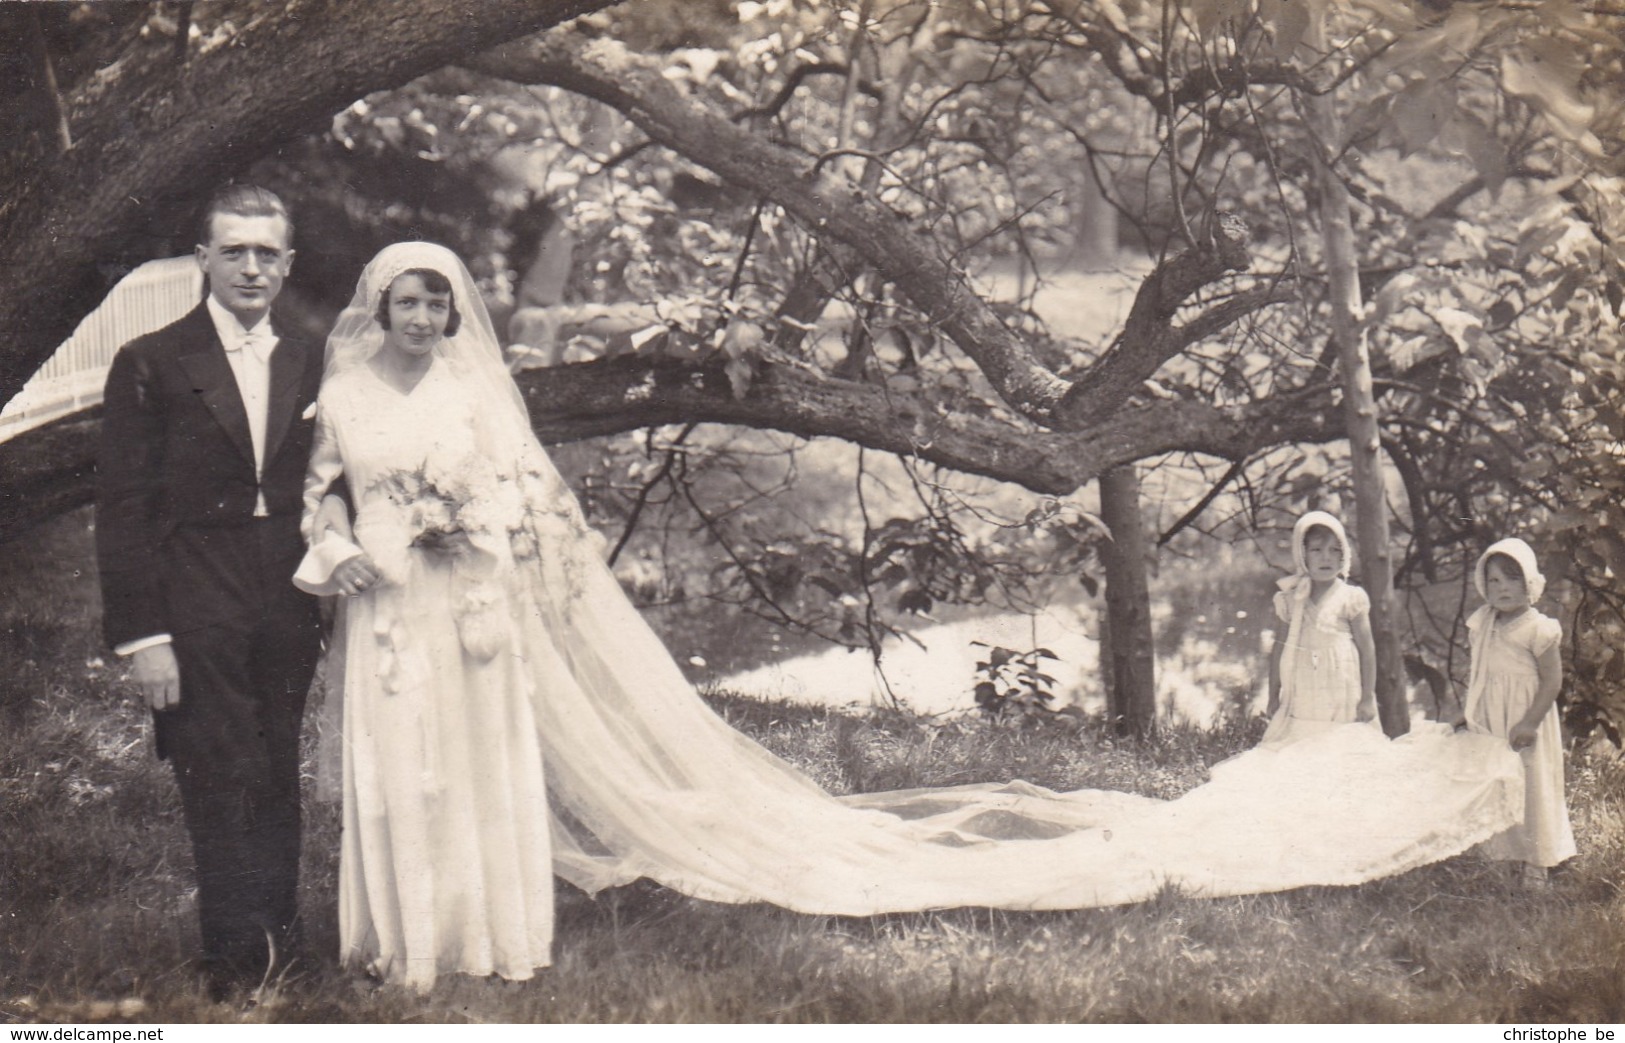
644	780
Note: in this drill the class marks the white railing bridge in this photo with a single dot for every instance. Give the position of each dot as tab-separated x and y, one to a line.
149	298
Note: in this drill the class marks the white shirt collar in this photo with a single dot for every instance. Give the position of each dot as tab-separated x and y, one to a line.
229	328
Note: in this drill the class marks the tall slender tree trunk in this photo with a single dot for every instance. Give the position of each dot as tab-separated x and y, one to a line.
1128	660
1094	240
1359	403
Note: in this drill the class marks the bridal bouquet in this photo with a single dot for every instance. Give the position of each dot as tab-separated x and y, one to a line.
483	520
429	506
462	510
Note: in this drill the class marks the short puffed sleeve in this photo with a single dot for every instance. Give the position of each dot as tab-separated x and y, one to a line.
1545	633
1356	603
1283	606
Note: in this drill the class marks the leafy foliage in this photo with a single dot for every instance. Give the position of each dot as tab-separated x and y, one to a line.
1012	686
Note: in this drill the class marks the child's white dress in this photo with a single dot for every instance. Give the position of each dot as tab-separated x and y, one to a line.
1320	665
1505	678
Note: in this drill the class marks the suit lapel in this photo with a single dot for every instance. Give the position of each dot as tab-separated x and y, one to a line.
205	363
287	371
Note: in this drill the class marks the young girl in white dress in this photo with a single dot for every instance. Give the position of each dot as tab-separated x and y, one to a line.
1324	672
1517	669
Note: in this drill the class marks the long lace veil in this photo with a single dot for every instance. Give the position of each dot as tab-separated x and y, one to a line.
644	780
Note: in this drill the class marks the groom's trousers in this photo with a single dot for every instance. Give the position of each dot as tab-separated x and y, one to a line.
234	744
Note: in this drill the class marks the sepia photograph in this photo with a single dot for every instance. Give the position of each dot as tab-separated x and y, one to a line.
860	512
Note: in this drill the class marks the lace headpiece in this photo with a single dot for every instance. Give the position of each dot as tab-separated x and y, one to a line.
356	335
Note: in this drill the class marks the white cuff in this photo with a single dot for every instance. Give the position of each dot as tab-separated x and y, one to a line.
315	573
129	648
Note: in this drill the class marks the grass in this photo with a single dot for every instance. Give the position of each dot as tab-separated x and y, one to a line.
97	920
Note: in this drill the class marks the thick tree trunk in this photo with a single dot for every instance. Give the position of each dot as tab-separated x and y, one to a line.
152	135
1128	656
1359	414
47	471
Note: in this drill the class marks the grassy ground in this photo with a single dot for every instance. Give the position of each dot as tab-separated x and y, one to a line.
97	920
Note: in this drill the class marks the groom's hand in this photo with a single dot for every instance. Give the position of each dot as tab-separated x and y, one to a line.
159	676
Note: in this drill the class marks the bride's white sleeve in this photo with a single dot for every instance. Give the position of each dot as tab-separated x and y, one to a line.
326	553
326	464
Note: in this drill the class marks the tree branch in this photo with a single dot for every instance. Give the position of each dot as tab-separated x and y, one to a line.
609	396
1226	314
1149	339
1190	516
823	202
52	469
829	205
151	135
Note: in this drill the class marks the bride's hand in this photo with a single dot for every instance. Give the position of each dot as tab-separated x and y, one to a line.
356	575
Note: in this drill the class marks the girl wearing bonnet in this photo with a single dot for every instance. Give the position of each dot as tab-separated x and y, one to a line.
1517	670
1324	672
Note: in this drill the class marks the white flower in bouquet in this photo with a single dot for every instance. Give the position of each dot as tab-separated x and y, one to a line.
495	510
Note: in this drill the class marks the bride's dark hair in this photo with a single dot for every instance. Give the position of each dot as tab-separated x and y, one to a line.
434	282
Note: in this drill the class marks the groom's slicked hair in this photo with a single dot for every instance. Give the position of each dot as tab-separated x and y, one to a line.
244	201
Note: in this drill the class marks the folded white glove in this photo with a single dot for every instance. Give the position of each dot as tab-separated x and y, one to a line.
315	572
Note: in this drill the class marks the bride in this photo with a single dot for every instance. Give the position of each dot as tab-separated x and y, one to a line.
507	715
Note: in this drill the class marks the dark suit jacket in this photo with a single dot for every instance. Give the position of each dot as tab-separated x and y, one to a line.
174	542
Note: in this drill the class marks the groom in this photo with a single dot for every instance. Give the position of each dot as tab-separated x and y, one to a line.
205	439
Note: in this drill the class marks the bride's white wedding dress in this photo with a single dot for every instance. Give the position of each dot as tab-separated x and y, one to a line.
443	866
642	779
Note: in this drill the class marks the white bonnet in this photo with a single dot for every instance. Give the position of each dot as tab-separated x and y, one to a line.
1300	533
1524	555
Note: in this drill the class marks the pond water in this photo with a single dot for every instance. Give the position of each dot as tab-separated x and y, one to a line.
1207	661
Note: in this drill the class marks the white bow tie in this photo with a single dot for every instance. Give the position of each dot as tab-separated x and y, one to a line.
259	341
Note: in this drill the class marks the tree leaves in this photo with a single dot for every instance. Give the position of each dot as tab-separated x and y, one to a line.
1462	327
1421	112
1546	78
1475	140
1012	687
1286	22
1209	16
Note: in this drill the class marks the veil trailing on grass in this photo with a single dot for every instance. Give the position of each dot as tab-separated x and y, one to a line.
647	782
644	780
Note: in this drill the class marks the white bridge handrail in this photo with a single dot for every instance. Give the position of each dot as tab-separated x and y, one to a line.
149	298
